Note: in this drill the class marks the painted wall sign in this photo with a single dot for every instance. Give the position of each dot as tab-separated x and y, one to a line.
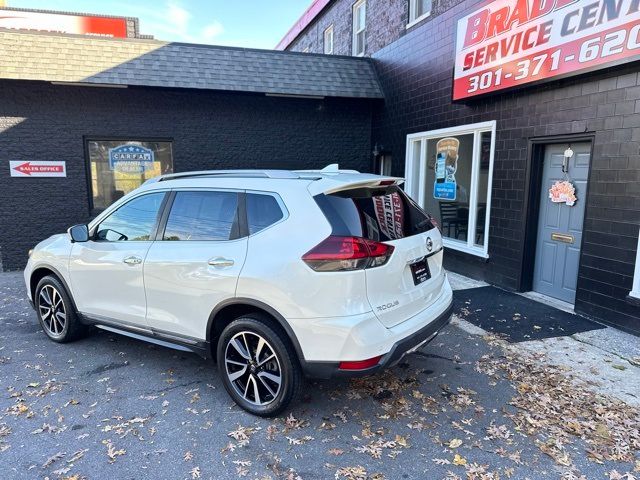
444	187
130	159
563	192
19	168
508	43
53	22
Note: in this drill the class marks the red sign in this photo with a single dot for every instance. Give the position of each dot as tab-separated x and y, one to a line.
390	213
38	169
61	23
509	43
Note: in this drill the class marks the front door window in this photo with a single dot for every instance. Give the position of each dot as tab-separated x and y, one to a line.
135	221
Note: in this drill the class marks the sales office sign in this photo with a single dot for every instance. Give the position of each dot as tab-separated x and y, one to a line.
509	43
27	168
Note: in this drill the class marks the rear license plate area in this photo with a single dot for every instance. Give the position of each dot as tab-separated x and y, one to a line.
420	271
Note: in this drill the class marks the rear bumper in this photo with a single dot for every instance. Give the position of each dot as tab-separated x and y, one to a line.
400	348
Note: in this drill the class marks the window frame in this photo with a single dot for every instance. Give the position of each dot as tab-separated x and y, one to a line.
635	289
413	18
94	225
327	31
416	187
354	34
87	158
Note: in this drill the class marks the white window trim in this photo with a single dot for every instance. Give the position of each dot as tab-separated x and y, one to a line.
415	21
411	183
328	30
354	43
636	276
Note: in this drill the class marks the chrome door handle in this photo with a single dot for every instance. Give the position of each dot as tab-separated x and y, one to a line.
221	262
132	260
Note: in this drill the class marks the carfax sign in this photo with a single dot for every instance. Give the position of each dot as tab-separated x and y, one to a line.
130	159
508	43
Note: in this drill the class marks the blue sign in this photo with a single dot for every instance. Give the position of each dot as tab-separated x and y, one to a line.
130	159
444	191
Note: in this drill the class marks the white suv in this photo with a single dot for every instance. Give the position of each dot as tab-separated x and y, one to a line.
276	274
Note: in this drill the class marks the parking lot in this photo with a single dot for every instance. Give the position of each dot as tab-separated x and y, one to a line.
466	406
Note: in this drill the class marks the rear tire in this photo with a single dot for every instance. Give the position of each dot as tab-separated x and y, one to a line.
55	311
258	366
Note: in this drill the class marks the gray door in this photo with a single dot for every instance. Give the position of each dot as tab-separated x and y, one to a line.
559	225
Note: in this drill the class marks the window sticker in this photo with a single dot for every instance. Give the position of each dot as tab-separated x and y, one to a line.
444	187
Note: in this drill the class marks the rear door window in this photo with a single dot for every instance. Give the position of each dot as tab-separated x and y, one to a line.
203	215
263	210
381	214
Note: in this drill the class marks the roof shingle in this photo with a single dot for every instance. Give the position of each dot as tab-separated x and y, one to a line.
70	58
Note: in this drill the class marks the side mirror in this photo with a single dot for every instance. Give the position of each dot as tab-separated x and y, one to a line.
79	233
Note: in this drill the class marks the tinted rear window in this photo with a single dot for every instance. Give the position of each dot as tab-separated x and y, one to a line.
381	215
202	216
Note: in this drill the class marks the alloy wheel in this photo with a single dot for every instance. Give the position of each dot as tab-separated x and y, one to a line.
253	368
52	310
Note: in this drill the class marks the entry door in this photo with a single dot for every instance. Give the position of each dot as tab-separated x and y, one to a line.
107	271
196	264
560	225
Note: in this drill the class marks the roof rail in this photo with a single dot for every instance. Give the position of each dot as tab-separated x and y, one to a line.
333	169
279	174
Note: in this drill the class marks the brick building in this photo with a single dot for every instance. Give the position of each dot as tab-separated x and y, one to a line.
76	102
510	145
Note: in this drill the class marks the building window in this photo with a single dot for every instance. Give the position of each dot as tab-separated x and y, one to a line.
418	11
359	27
449	173
328	40
116	167
384	164
636	277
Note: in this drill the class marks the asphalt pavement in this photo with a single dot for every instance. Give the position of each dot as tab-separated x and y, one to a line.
111	407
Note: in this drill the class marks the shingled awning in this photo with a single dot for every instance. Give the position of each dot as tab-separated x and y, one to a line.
151	63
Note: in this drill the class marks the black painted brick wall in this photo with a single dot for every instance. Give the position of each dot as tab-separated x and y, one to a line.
210	130
416	72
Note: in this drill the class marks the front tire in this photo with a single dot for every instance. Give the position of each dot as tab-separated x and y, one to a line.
258	367
55	311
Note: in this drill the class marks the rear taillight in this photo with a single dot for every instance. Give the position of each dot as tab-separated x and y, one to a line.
335	254
360	364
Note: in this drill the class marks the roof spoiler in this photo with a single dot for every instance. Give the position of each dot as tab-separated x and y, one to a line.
379	182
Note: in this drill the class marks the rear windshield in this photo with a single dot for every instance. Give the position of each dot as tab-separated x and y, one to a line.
380	214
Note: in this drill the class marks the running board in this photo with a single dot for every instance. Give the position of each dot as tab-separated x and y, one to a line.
157	341
157	337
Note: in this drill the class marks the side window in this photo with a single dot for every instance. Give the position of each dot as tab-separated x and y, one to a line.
134	221
262	211
204	215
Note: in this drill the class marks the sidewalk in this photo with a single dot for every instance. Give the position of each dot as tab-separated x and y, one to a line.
606	359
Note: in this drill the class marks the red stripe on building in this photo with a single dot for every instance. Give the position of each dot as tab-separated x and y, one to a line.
303	22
